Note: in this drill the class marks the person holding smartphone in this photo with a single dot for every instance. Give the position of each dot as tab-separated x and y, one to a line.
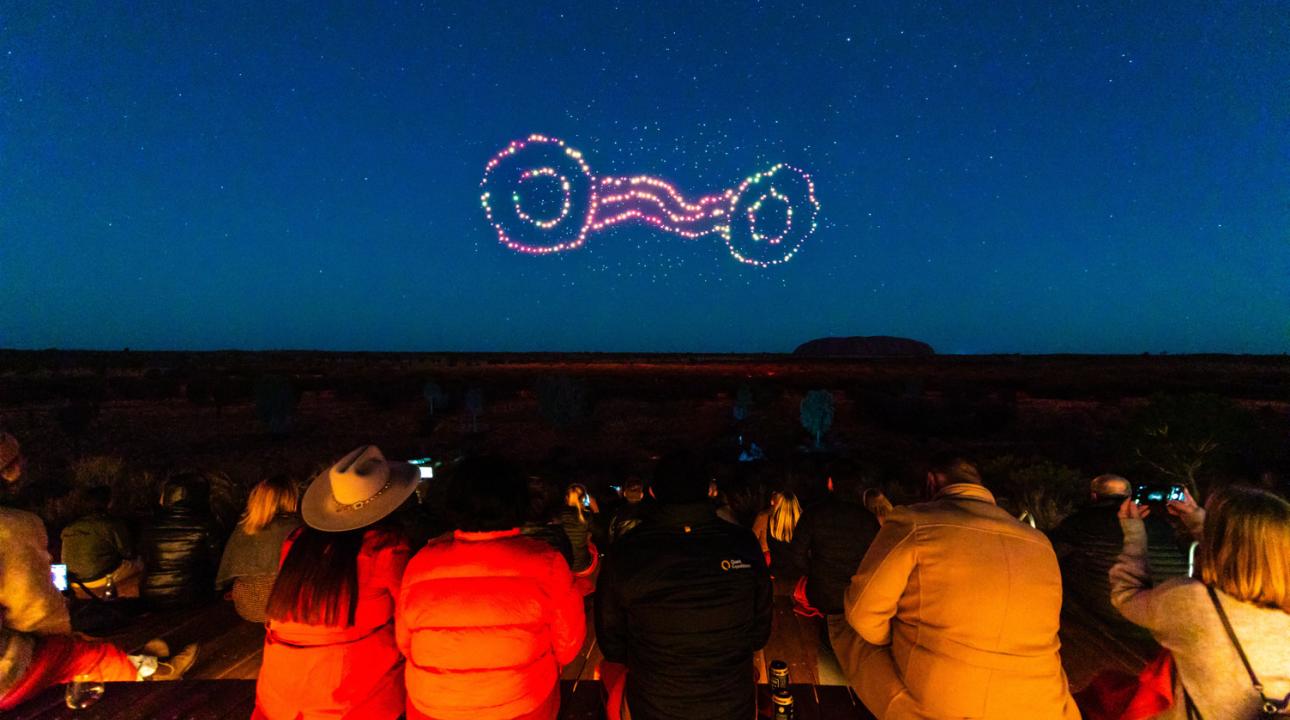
37	647
576	518
1226	628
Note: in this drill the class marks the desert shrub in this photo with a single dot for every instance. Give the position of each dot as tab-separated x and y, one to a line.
133	492
434	395
563	401
817	413
275	403
743	403
474	403
94	470
1188	439
1047	490
75	418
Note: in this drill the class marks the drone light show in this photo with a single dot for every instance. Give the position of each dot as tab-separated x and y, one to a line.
542	197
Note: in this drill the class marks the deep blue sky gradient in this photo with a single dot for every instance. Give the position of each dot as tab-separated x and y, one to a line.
994	176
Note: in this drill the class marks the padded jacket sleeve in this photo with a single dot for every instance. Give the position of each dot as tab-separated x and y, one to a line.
568	619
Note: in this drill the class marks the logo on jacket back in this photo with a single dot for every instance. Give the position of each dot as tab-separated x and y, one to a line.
735	564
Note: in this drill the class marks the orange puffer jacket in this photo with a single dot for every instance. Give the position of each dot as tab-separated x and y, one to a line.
486	621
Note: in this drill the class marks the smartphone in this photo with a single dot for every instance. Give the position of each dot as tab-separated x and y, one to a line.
617	488
59	575
425	465
586	501
1158	494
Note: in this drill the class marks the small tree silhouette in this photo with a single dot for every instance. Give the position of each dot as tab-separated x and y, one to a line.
743	403
563	401
433	395
817	413
475	406
1182	437
275	403
75	419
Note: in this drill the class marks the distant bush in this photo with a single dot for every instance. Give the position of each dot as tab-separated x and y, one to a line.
133	492
563	401
275	403
1048	491
474	402
94	470
817	413
743	403
75	418
1188	439
434	395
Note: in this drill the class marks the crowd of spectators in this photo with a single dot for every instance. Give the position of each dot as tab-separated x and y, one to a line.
379	603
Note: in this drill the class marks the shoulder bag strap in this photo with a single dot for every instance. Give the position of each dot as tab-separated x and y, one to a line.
1227	625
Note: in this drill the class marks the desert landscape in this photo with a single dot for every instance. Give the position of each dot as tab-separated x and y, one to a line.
1040	425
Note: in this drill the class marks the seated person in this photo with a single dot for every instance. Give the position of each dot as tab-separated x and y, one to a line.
955	609
180	545
1088	541
98	551
635	505
774	529
37	647
579	512
250	561
542	521
683	602
830	541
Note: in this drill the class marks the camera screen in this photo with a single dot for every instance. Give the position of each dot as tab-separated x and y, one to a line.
1159	494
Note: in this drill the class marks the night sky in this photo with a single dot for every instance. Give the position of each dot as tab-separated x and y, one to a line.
1037	177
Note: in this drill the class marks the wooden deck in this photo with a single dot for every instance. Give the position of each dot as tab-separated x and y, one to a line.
222	682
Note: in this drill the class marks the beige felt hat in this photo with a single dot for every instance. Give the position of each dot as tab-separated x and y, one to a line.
358	490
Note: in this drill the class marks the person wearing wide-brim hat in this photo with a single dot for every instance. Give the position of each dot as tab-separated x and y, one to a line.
329	650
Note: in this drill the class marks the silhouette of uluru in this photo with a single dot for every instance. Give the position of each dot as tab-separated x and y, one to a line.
864	346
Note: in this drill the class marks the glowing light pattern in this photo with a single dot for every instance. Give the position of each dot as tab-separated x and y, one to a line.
591	204
564	186
788	217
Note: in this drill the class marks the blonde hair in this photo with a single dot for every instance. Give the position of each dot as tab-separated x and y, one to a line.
1245	548
268	499
783	518
579	492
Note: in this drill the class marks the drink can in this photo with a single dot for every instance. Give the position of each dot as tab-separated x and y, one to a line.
778	675
783	704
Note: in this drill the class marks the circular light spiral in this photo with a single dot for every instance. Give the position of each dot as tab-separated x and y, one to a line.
591	204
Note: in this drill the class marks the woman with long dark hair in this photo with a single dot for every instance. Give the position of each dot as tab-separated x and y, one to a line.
329	651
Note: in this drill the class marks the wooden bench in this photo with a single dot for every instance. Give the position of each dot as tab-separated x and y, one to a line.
222	682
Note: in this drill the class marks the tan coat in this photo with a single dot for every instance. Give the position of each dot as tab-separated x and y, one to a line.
957	607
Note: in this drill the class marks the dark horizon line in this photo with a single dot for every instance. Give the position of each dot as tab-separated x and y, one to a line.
632	353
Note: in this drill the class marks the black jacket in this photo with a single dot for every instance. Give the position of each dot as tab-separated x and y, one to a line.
684	600
628	517
829	542
1087	543
180	550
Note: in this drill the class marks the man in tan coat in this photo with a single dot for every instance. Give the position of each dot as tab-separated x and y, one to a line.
955	612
